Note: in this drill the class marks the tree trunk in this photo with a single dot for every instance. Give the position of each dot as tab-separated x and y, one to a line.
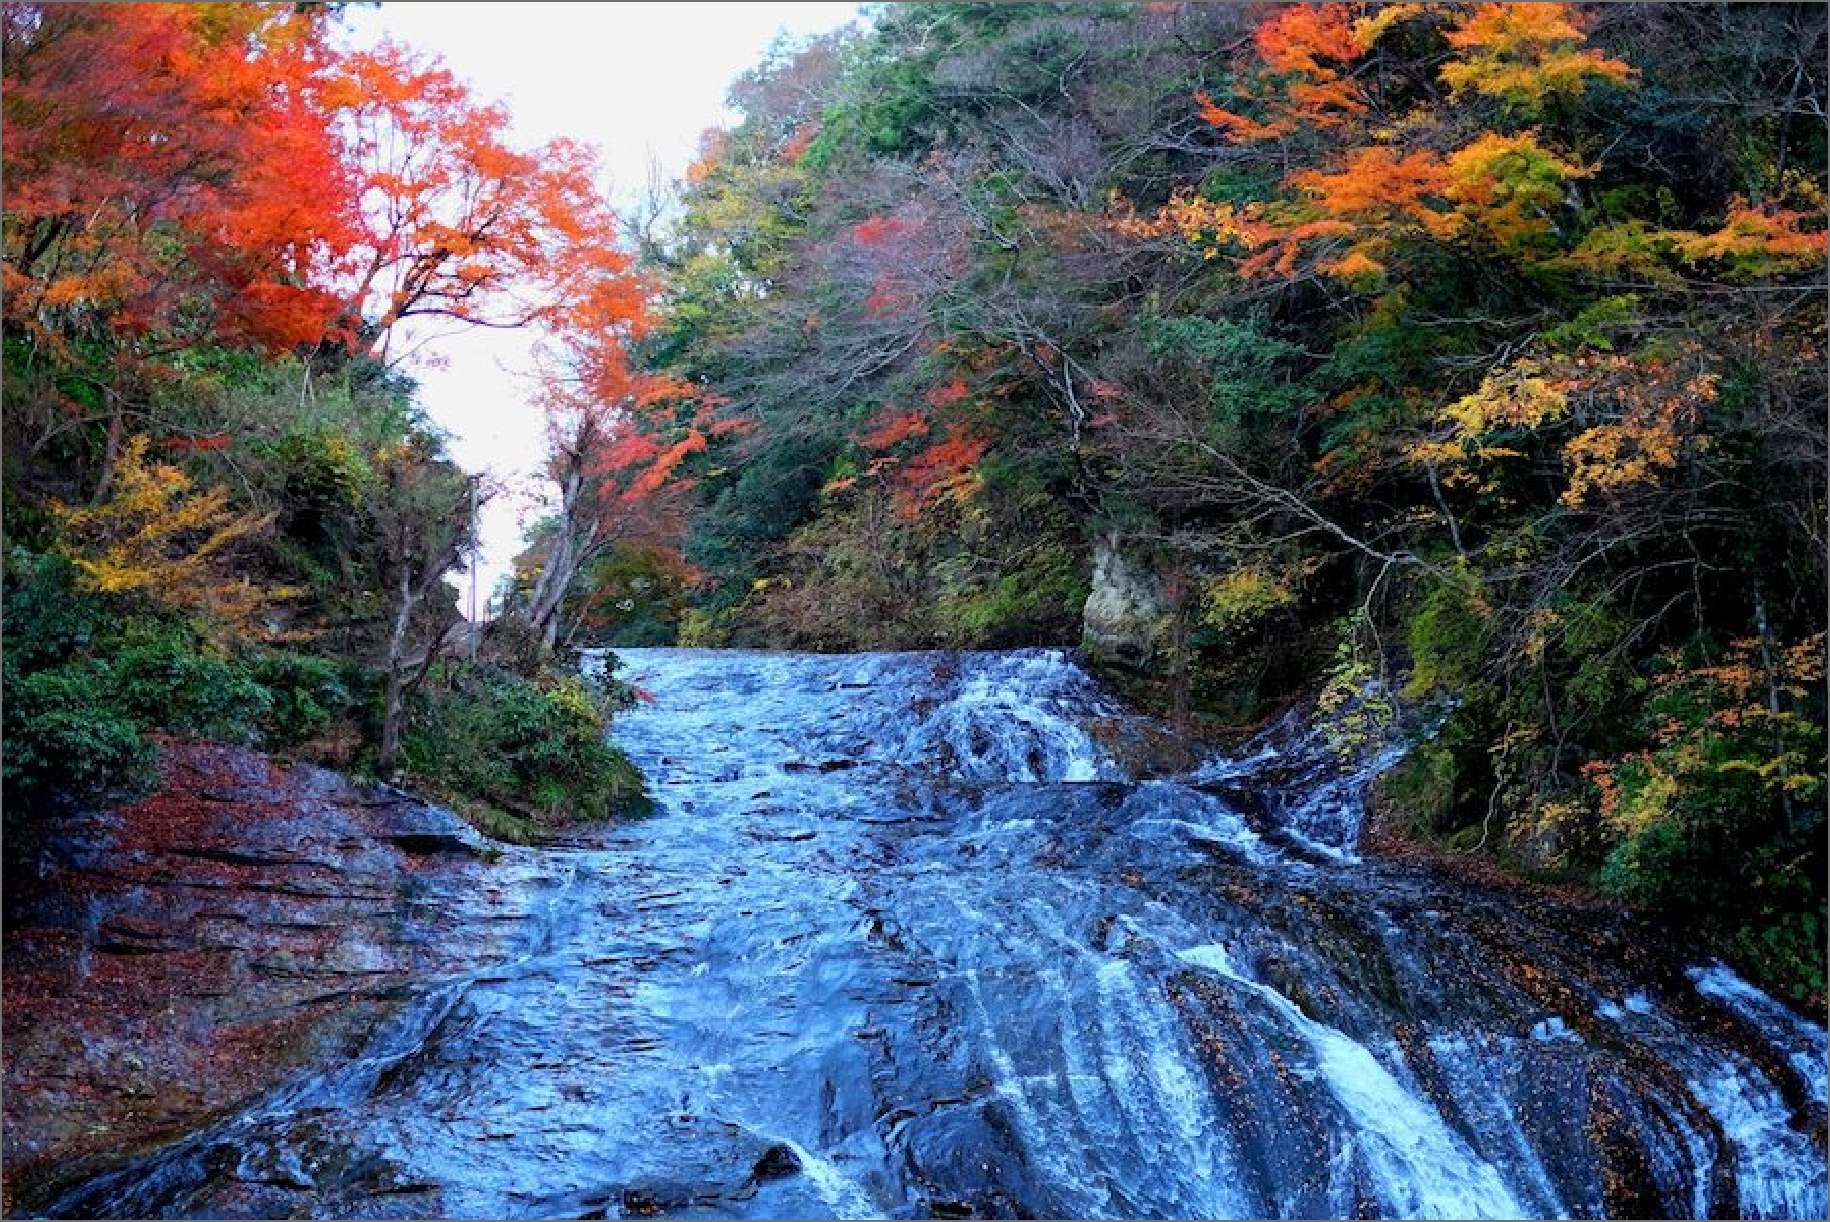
111	451
572	546
394	694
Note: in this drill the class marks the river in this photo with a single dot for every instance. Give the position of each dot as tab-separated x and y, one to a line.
911	935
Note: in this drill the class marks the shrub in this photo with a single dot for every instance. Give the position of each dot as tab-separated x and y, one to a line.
1447	639
65	734
171	680
1020	605
703	629
305	695
536	747
47	619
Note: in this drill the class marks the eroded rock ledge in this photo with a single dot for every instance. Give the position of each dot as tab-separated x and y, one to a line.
167	959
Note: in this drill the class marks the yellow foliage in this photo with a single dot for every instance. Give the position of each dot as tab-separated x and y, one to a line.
1758	242
1610	457
1517	397
1643	805
1525	54
157	537
1507	185
1242	596
1521	396
1369	30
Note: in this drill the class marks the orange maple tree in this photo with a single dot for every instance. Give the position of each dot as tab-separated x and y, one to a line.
458	224
172	169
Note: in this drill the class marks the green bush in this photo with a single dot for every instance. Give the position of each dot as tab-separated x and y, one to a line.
536	747
306	695
1447	637
173	681
48	620
1421	788
86	683
65	734
1016	606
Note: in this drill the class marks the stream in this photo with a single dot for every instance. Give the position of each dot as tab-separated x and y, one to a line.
915	935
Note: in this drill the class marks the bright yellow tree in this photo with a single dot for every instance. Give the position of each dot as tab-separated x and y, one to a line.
161	539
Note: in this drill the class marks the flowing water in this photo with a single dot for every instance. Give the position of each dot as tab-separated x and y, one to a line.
909	935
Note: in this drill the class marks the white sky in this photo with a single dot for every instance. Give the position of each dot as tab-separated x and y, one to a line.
639	81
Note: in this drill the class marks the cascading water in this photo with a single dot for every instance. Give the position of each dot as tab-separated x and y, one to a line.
907	936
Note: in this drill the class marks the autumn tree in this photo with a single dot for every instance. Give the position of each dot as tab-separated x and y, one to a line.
459	226
173	177
161	540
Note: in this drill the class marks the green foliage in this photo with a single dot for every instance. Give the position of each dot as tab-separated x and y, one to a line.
635	596
1723	821
535	748
86	681
1597	325
323	470
1447	637
66	735
306	695
1046	589
1421	787
174	681
777	490
47	619
1246	368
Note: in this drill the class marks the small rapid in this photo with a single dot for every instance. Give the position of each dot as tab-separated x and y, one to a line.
953	935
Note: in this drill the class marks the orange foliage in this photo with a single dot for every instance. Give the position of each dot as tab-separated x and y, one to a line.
878	230
163	156
459	224
1299	37
1524	54
1309	45
943	470
800	141
1378	184
892	430
663	465
1657	414
947	394
888	296
1759	241
158	153
1239	126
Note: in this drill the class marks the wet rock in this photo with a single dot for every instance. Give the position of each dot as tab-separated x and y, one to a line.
990	989
432	844
126	935
778	1162
820	766
184	952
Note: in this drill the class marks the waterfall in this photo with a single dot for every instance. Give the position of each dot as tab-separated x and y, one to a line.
917	934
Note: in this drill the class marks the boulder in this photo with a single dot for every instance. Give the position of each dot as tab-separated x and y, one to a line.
1127	612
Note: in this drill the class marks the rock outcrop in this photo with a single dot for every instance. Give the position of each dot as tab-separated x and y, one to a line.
170	958
1127	611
